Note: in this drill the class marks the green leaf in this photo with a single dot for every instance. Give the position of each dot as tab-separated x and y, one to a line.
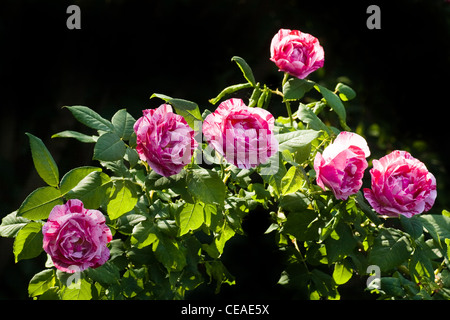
123	199
292	181
191	217
170	253
324	284
206	186
76	135
391	248
296	140
294	202
144	234
302	225
273	172
106	274
334	103
187	109
118	168
41	282
230	90
447	243
123	124
342	273
43	161
81	291
392	286
295	89
368	211
90	118
168	227
437	226
296	277
307	116
133	282
132	156
225	234
246	70
330	228
93	190
345	92
420	265
212	216
176	182
340	242
11	225
161	96
71	179
154	181
109	147
412	225
28	242
216	269
302	154
39	203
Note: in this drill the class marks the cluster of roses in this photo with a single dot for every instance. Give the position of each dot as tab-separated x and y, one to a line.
244	136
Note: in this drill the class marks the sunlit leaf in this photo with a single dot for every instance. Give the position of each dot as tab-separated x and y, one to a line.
391	247
28	242
191	217
245	68
109	147
39	203
43	161
90	118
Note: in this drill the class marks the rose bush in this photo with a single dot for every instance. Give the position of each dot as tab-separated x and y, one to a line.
152	219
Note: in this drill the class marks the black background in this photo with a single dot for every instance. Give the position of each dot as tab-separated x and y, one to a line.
127	50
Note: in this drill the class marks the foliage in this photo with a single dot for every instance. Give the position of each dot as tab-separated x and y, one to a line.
169	233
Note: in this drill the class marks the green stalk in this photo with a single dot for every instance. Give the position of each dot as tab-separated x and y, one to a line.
288	105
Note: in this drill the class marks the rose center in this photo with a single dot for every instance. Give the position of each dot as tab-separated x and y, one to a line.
297	54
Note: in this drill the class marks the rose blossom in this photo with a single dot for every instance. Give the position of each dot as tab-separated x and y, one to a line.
243	135
296	53
164	140
76	237
401	184
342	164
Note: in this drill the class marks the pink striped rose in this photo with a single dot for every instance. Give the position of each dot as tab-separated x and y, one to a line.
296	52
341	166
76	238
401	184
164	140
243	135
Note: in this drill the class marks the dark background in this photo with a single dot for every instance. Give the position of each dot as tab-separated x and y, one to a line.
127	50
